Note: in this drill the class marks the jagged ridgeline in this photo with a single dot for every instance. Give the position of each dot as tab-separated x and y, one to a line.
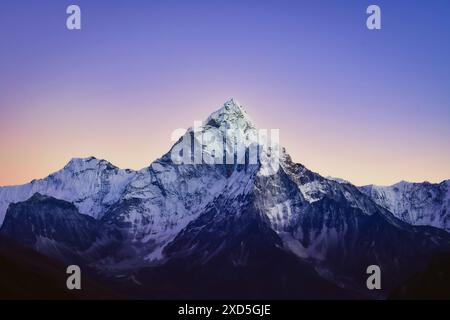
177	230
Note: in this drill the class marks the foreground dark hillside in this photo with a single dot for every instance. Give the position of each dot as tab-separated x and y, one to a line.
26	274
432	283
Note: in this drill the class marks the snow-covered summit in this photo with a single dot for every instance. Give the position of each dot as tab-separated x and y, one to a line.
90	163
232	112
232	115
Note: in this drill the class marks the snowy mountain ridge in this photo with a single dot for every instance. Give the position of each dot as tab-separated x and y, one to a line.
95	185
415	203
215	217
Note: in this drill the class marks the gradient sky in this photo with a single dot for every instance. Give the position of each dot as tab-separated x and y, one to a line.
366	106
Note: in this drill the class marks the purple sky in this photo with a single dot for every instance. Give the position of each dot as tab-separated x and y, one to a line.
367	106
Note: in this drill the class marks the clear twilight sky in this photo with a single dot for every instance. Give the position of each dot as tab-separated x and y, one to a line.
366	106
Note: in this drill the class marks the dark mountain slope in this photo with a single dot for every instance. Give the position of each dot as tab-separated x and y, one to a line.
51	226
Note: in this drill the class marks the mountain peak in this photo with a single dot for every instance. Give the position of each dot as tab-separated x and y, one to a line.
80	164
232	104
231	115
233	107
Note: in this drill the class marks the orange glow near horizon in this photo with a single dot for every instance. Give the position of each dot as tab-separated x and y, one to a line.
44	143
